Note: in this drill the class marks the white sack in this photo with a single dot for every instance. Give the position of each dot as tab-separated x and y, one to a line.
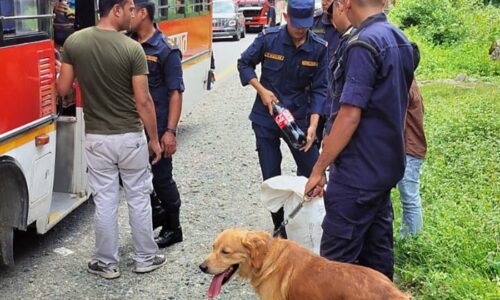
288	192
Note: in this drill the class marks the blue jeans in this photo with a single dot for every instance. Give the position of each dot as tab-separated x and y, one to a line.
409	189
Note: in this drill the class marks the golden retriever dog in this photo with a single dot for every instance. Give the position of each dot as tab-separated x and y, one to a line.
284	270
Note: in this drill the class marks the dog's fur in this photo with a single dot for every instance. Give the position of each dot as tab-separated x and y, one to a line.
284	270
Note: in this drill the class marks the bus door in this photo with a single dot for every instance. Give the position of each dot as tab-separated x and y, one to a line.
70	180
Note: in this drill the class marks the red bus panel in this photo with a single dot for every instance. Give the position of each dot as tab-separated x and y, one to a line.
27	87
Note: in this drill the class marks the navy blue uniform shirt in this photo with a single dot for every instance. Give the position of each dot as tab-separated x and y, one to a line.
374	159
271	15
165	73
334	61
294	75
323	27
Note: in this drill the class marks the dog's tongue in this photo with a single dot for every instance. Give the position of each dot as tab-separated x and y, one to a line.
216	286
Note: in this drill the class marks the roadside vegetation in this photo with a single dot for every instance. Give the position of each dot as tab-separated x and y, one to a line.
454	36
456	256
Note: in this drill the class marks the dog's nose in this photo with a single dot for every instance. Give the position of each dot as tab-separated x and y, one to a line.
204	268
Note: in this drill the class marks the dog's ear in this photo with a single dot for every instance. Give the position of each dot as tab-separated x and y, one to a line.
257	244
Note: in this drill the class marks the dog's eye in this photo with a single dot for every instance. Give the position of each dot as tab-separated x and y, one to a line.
225	252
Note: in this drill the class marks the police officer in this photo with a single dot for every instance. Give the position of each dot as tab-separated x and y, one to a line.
271	15
366	143
166	87
344	28
294	66
323	27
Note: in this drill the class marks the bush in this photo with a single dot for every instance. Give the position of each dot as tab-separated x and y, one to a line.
456	254
454	36
436	20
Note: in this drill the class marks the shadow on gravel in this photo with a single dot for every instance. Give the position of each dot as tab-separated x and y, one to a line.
30	244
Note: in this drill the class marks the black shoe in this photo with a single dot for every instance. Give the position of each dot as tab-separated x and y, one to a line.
168	237
278	218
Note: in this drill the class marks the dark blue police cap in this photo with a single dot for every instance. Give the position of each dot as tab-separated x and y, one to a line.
301	12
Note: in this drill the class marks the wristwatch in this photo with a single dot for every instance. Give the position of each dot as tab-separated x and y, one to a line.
172	130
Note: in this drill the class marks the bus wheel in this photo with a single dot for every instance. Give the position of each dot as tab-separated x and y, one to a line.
13	206
6	246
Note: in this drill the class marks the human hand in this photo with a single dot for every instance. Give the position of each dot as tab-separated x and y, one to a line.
311	136
169	144
314	186
155	149
58	67
61	7
268	98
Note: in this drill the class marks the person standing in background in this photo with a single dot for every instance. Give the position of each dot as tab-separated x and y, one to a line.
166	86
416	148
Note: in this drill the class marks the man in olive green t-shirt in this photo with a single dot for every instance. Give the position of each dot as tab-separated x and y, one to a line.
112	72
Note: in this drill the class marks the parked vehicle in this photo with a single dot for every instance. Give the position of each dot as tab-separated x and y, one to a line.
227	20
255	12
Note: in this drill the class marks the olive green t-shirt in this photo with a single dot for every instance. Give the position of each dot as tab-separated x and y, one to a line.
104	62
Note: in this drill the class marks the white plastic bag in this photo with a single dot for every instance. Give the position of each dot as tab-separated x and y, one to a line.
288	192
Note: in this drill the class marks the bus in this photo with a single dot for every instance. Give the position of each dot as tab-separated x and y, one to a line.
42	163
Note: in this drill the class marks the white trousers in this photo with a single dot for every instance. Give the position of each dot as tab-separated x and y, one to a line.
126	155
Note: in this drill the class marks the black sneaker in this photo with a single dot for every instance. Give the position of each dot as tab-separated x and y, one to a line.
104	272
158	262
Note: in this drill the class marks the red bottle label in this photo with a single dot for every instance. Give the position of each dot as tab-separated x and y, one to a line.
284	118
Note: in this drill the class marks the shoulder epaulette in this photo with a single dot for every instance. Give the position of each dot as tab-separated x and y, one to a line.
171	45
274	29
356	41
318	39
318	13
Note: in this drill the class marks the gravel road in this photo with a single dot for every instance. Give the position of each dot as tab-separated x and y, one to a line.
217	171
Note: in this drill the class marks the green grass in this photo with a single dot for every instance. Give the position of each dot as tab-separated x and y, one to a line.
456	256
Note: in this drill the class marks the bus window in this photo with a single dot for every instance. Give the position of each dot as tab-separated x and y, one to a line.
26	8
207	7
162	9
198	6
24	18
180	7
176	9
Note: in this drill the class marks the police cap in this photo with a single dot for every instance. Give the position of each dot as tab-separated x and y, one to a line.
300	13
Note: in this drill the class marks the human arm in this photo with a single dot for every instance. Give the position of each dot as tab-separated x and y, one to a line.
169	139
266	95
345	125
65	72
146	110
65	79
172	72
319	90
360	74
249	59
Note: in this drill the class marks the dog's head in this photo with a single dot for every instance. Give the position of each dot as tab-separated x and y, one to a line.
233	249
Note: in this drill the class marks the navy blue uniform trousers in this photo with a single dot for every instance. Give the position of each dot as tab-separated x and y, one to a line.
268	148
358	227
165	186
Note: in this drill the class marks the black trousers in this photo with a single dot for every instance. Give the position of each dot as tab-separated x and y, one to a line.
165	186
